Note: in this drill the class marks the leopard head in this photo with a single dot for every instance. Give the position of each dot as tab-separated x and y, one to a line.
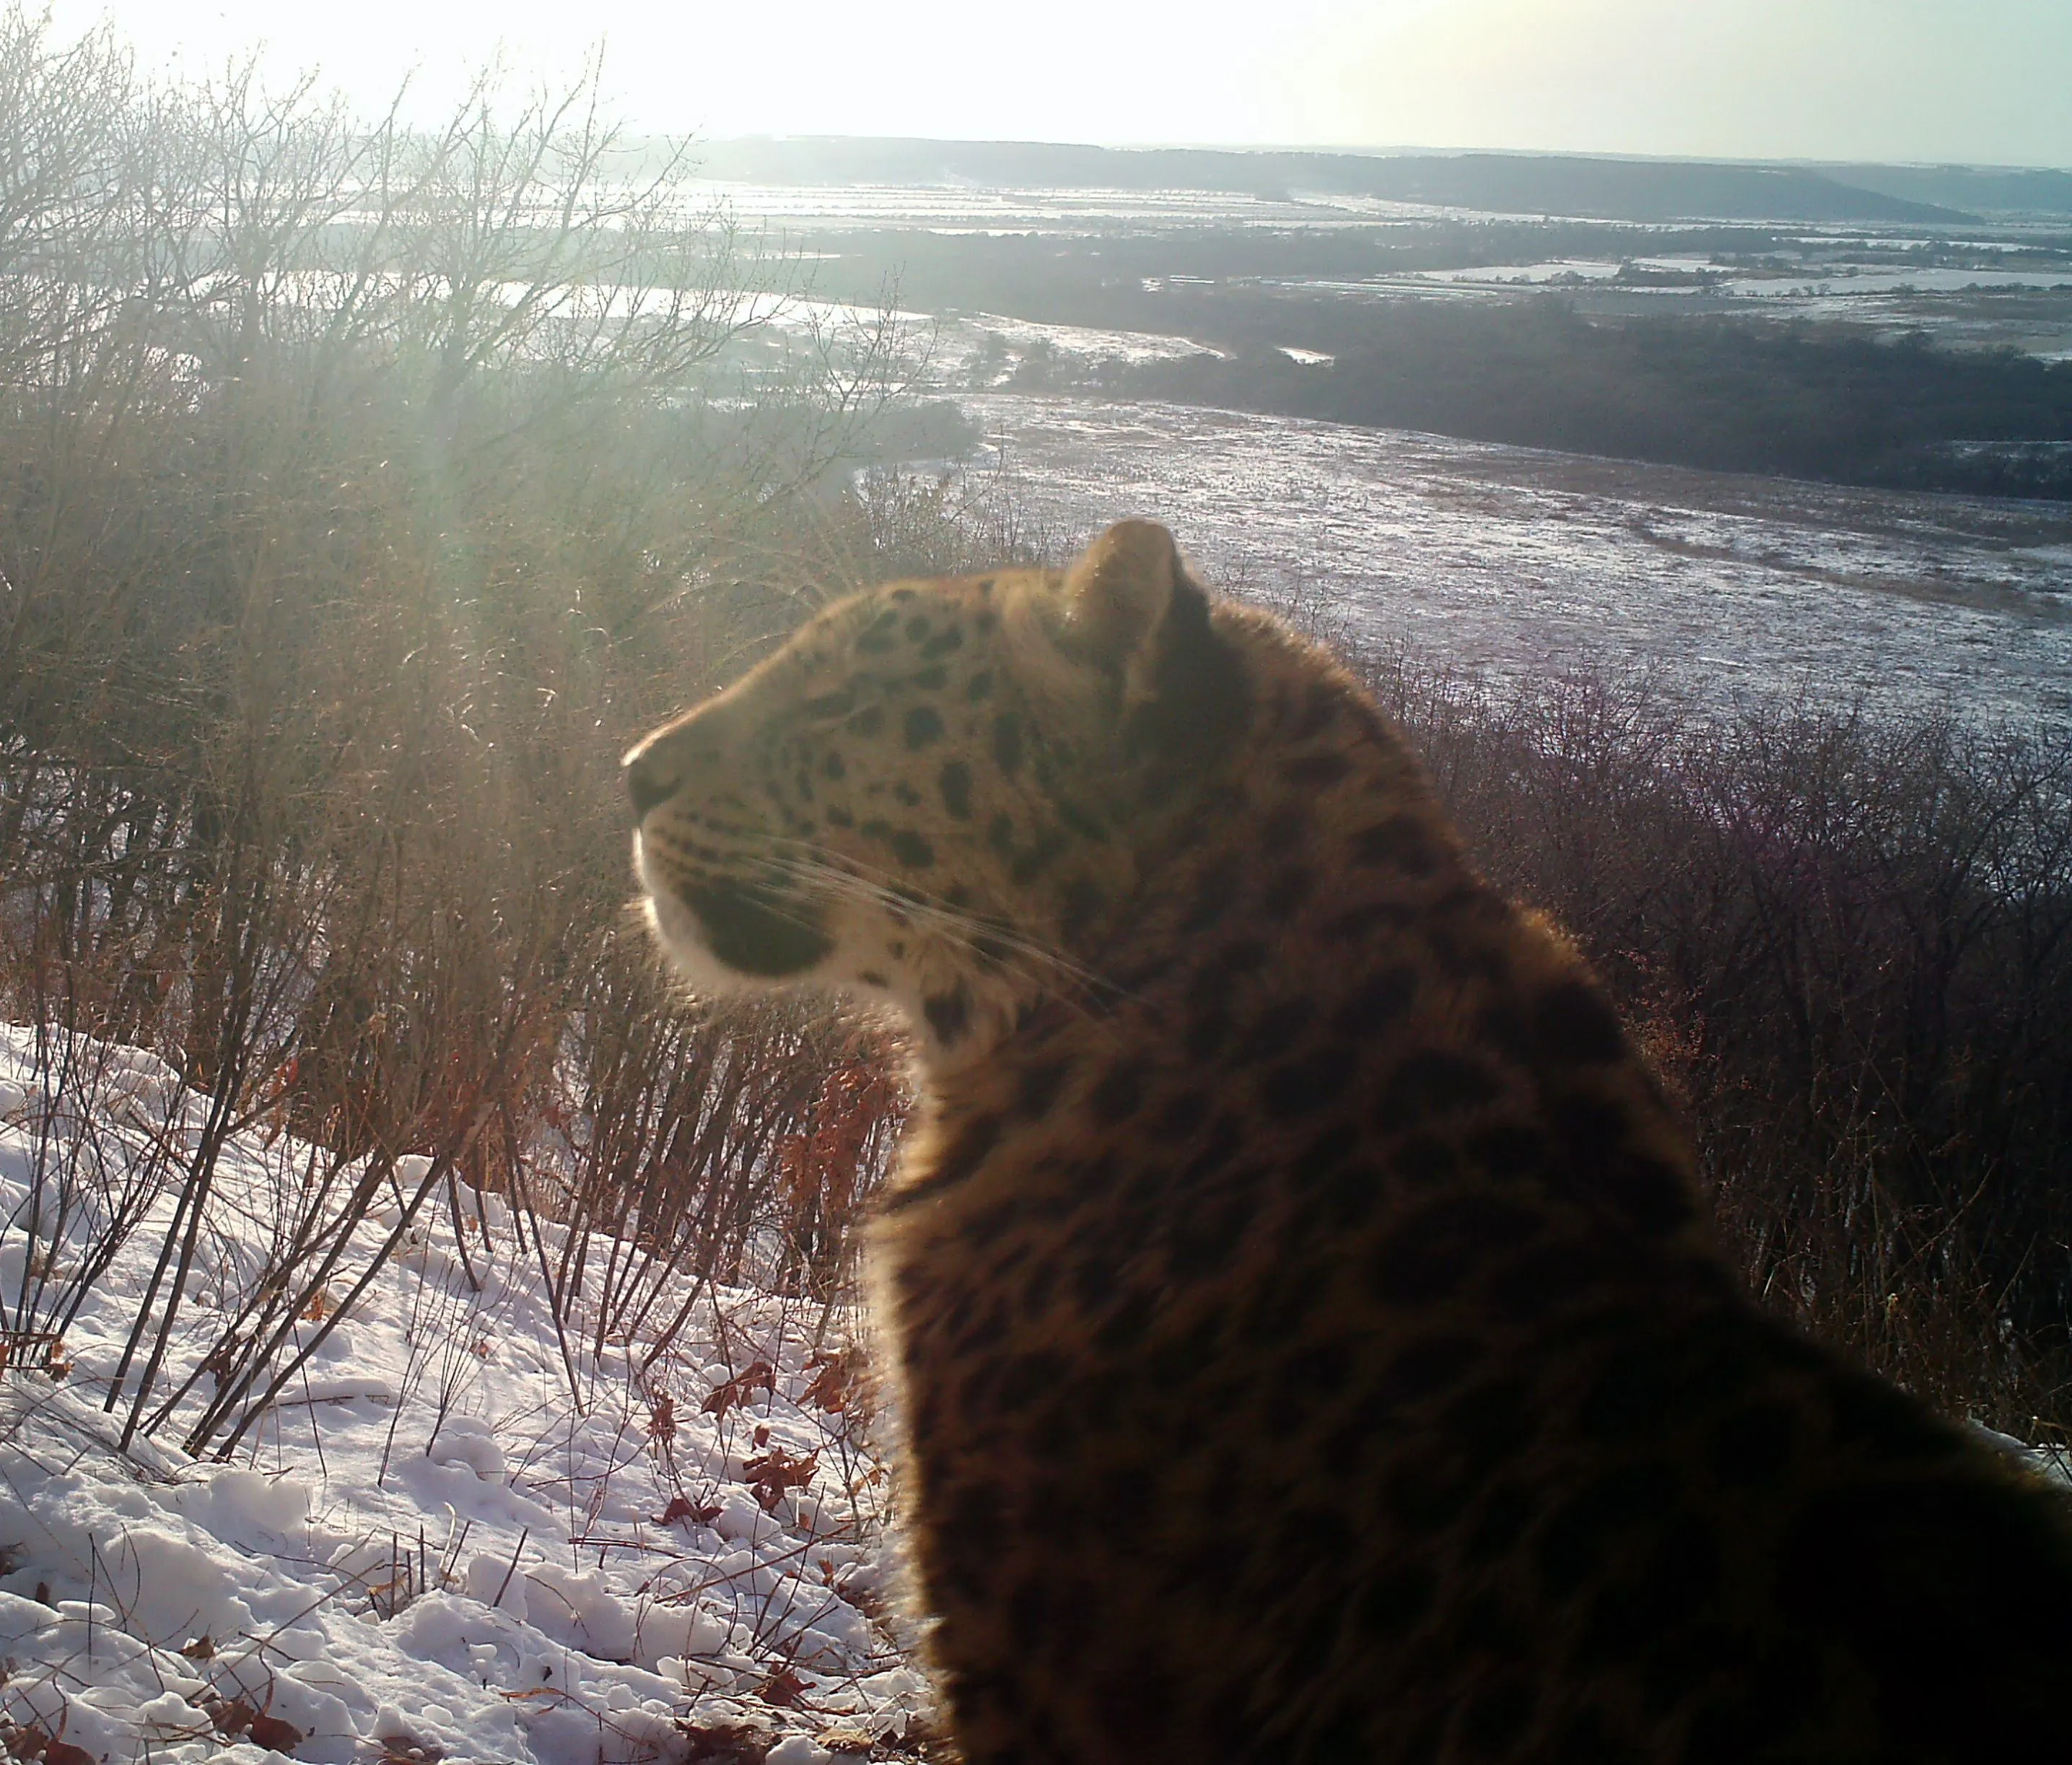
937	792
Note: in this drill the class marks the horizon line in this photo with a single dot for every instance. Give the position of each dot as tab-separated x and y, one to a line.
1402	150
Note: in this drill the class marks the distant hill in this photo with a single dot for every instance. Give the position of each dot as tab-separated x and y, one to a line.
1993	190
1630	190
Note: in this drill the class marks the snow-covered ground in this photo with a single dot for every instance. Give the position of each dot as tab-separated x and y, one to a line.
445	1540
1515	563
441	1546
971	207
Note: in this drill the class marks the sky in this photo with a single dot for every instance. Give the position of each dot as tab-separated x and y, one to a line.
1988	81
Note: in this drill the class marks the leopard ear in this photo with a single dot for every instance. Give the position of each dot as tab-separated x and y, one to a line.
1131	609
1116	598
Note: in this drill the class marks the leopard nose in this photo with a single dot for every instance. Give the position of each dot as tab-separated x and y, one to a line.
649	781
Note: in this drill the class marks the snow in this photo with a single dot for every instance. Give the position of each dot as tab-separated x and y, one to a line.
984	349
975	209
1719	590
1508	275
432	1544
1798	280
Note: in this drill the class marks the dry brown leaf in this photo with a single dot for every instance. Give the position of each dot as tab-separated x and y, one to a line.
232	1719
783	1688
662	1419
759	1376
683	1508
769	1475
834	1384
726	1742
271	1731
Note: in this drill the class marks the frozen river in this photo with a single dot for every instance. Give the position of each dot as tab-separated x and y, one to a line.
1516	563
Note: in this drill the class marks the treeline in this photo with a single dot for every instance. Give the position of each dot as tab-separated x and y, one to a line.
1729	396
1123	275
1734	394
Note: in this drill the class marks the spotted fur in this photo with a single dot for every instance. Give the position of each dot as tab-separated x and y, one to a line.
1314	1347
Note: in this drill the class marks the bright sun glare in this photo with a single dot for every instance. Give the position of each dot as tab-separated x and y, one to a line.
1983	80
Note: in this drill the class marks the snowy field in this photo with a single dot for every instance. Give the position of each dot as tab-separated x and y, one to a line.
1516	564
444	1540
974	207
2028	310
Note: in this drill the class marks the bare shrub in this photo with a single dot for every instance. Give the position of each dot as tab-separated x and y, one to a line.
362	493
1848	944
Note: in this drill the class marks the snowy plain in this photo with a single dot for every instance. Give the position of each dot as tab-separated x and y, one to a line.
1718	590
446	1541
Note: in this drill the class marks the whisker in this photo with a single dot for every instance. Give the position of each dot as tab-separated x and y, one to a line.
1043	965
896	893
789	864
777	910
1021	960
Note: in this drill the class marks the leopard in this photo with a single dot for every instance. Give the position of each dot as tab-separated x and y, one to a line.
1310	1338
